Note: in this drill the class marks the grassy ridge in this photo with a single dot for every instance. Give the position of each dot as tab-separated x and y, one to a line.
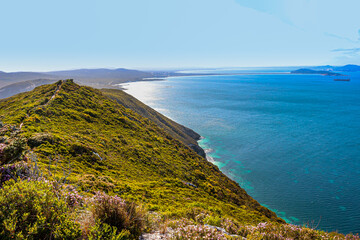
111	148
180	132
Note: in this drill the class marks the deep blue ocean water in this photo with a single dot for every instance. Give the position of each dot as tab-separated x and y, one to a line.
292	141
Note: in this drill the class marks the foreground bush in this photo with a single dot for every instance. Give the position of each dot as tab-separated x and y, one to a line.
104	231
12	150
32	210
115	212
19	170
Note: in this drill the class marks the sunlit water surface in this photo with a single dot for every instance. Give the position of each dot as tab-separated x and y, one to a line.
292	141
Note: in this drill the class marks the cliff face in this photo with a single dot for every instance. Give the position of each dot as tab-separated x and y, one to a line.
112	142
180	132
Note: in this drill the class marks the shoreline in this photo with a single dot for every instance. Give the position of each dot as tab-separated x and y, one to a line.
209	158
208	151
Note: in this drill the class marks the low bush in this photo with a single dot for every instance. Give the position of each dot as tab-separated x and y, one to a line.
73	198
32	210
104	231
198	232
20	170
40	138
115	212
12	151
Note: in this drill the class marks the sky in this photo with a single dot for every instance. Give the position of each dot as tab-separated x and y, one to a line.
42	35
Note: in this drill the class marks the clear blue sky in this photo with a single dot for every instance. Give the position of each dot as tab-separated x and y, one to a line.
67	34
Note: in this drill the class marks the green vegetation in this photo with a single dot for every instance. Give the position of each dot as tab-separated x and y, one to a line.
184	134
107	171
114	211
111	148
32	210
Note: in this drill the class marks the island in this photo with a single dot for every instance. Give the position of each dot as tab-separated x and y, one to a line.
310	71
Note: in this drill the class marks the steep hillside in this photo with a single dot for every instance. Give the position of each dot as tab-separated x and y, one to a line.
109	147
184	134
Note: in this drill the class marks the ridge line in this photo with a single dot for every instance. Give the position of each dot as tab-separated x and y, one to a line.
57	89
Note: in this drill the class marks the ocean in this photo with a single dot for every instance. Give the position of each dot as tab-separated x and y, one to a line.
291	141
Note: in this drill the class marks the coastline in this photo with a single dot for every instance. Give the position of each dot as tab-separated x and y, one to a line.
208	152
285	213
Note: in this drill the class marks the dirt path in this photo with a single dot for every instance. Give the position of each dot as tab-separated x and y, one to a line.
58	88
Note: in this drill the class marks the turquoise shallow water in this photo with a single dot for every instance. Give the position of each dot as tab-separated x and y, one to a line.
292	141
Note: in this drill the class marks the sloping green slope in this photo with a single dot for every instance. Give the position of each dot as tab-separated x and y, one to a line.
180	132
112	148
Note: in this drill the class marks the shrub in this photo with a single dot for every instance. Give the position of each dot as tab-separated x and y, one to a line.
213	220
73	198
2	150
92	183
40	138
104	231
14	171
115	212
32	210
198	232
12	151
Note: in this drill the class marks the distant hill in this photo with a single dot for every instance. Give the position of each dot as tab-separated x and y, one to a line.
102	77
19	87
22	76
14	77
98	78
93	77
346	68
310	71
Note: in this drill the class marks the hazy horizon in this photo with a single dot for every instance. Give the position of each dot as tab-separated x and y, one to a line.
180	69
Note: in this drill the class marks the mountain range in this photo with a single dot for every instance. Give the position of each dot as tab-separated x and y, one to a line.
17	82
